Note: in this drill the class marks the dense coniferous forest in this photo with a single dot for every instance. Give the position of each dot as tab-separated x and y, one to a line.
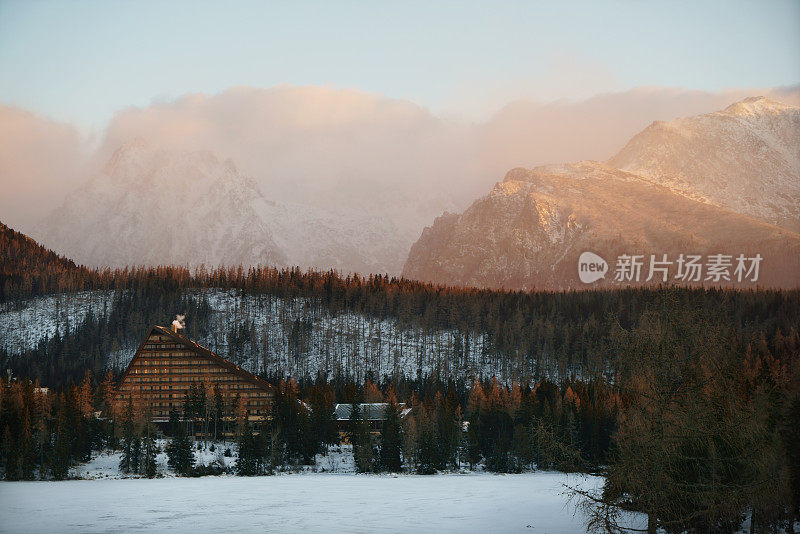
686	400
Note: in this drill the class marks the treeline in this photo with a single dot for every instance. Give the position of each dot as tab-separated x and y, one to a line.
436	427
519	336
28	269
44	433
523	336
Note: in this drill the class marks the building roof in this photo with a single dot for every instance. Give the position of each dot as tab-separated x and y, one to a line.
371	411
186	342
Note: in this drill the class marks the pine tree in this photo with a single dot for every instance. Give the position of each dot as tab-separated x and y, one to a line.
353	423
107	406
361	439
25	449
390	436
219	411
447	431
128	463
475	411
427	444
323	425
521	448
136	463
149	459
179	451
246	462
84	396
60	457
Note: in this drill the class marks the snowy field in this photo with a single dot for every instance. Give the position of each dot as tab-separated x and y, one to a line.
313	502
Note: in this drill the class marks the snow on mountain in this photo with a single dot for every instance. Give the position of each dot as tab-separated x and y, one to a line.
151	207
330	239
716	183
745	158
529	231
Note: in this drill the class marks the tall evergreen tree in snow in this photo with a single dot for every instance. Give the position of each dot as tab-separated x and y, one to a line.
179	451
60	458
247	461
149	453
129	463
448	431
136	462
323	425
361	439
427	441
219	411
390	436
521	448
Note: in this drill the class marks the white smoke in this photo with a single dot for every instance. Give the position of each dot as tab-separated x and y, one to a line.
179	323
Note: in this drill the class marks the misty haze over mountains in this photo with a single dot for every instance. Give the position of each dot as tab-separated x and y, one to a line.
723	183
152	207
338	179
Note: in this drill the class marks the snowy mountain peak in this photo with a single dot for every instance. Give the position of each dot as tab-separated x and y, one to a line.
676	186
756	106
745	158
517	173
163	207
138	163
190	208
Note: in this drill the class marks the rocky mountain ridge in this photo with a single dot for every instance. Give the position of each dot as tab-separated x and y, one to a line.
154	207
530	230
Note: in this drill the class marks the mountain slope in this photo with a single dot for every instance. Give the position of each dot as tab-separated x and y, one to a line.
530	230
26	267
745	158
152	207
721	183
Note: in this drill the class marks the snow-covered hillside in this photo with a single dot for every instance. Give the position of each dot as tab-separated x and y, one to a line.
22	327
159	207
289	338
296	339
745	158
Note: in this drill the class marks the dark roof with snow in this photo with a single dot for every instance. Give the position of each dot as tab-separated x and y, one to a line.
371	411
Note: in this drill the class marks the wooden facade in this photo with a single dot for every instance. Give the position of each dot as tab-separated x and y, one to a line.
166	364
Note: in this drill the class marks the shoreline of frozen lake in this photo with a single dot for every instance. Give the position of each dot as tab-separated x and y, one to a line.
529	502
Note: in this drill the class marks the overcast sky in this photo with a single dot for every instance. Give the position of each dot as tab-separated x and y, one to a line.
81	62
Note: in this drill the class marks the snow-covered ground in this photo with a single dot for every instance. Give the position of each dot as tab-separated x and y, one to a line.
105	464
531	502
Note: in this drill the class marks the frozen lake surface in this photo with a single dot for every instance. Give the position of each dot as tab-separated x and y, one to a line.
530	502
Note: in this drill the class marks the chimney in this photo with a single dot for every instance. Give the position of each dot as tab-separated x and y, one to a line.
177	323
